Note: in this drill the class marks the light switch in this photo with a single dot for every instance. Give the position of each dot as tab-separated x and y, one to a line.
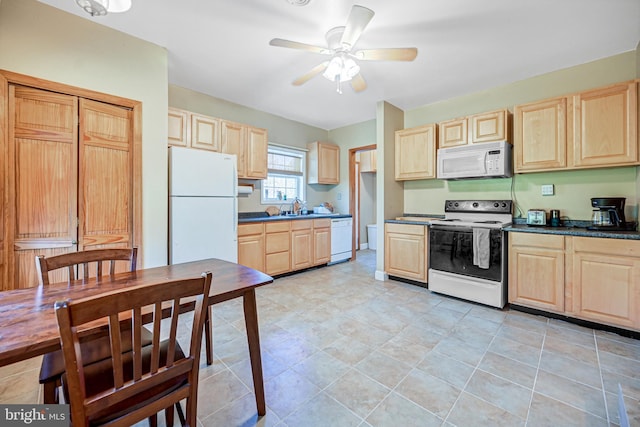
547	190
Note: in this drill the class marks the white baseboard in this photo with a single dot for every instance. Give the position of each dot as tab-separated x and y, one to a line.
381	275
364	246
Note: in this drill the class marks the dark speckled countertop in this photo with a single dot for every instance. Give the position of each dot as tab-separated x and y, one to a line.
265	218
568	228
571	228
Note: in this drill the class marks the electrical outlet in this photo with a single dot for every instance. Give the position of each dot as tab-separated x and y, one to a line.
339	196
547	190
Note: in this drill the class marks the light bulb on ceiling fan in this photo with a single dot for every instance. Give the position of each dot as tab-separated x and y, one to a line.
101	7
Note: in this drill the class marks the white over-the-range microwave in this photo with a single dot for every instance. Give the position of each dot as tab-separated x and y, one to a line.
483	160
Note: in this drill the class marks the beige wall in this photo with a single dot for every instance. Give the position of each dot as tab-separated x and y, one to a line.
280	130
348	137
41	41
573	188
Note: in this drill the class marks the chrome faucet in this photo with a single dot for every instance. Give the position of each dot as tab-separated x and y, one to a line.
293	206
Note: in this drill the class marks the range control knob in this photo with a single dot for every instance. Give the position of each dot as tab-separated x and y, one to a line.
504	205
456	204
496	204
475	204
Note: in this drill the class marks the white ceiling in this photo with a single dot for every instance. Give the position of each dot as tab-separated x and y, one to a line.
221	47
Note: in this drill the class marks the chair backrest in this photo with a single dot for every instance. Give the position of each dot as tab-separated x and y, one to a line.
137	376
85	259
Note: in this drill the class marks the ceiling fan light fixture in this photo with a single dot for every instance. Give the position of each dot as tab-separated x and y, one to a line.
341	68
118	6
102	7
299	2
94	7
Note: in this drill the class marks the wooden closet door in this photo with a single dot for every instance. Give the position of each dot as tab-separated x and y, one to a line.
42	165
105	192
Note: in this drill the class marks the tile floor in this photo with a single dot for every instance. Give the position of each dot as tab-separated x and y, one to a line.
342	349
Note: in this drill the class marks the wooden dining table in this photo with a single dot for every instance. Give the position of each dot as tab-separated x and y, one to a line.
28	326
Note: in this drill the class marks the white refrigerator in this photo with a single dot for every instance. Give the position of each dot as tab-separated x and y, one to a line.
203	205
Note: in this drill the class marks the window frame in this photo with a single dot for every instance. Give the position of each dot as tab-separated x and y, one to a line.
301	175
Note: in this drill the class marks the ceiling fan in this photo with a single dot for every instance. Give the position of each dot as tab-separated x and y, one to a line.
342	66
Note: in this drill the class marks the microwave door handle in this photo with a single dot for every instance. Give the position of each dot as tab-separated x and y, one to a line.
485	153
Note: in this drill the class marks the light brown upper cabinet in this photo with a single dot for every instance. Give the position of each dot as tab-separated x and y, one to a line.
605	126
248	143
368	161
323	162
73	174
205	132
491	126
540	135
591	129
415	153
256	153
178	134
234	142
452	133
484	127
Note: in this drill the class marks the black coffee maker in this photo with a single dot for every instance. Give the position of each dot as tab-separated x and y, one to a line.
609	215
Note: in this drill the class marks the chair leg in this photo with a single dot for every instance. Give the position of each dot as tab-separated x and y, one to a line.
50	393
153	420
208	336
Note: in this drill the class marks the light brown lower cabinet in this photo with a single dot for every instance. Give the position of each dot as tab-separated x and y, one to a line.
279	247
589	278
251	247
321	241
536	270
301	244
608	274
406	248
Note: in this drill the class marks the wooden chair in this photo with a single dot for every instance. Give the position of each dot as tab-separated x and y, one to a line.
97	349
75	260
133	386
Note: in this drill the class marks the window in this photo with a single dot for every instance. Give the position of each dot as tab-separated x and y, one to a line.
286	175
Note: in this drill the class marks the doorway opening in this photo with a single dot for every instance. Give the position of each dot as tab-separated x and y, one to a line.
362	199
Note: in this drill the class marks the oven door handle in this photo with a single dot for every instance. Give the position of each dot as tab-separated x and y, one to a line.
454	228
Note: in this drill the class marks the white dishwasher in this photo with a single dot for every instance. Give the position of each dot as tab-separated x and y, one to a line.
341	229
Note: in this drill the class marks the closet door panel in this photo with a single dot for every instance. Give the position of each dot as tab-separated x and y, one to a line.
43	164
105	176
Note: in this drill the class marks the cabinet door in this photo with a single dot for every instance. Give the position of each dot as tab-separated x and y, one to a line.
540	135
251	252
301	249
405	251
256	153
205	132
321	245
323	163
105	191
606	277
43	161
487	127
536	271
452	133
606	125
233	141
415	153
368	161
178	133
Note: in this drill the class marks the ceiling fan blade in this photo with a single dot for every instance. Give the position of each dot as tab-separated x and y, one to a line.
300	46
388	54
357	83
311	74
356	23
